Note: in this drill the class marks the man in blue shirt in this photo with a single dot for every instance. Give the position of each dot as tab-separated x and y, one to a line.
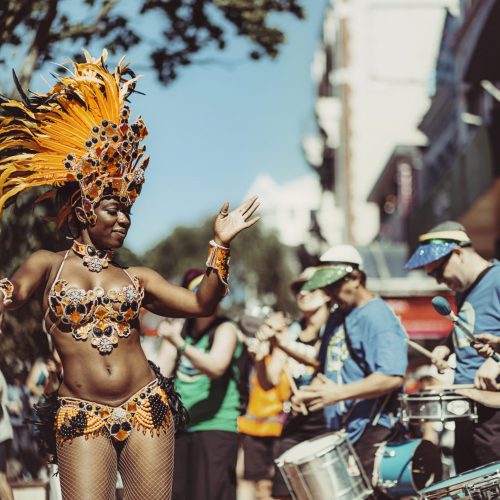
446	254
363	357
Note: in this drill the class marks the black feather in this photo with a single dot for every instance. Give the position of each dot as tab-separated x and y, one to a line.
19	88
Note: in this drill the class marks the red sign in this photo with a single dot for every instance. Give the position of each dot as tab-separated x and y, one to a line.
419	318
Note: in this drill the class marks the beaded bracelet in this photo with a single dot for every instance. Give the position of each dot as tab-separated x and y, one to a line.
218	259
7	289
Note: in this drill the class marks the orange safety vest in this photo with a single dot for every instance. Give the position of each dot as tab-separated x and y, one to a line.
264	416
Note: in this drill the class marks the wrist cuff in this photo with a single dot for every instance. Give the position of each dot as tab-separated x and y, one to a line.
7	289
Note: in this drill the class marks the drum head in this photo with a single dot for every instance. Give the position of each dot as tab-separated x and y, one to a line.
426	468
311	448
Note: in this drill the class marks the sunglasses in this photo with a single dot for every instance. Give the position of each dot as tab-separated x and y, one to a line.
437	272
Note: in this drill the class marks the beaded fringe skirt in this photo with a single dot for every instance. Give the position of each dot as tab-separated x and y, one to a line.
62	419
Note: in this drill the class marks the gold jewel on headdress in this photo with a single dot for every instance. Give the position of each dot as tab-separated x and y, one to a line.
77	132
95	260
7	290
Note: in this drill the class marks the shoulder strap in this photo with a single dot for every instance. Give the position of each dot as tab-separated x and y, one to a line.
47	311
209	330
60	268
354	355
459	302
213	328
129	275
461	298
375	415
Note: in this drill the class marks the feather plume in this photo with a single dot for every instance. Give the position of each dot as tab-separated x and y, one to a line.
76	132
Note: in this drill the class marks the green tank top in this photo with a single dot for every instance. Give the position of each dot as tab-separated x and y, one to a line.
213	404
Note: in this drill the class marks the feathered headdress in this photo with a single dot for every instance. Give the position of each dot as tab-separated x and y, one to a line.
78	132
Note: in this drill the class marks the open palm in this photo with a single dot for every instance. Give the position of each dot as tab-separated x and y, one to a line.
229	224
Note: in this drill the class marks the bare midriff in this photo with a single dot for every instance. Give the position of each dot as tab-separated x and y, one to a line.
108	379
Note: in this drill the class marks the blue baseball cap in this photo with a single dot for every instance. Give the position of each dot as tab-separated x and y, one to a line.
438	243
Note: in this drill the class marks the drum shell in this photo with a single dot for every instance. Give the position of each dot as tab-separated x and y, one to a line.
482	483
394	466
333	472
436	406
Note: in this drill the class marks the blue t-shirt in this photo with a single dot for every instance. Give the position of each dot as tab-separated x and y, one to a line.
481	313
377	343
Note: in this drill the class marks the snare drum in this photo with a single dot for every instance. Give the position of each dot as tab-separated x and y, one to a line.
323	468
482	483
437	406
403	468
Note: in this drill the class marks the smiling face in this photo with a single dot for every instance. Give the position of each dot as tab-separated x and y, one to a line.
311	301
111	227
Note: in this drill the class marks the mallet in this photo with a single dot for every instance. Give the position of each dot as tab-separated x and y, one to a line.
442	306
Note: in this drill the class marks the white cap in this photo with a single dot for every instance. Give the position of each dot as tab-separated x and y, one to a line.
342	254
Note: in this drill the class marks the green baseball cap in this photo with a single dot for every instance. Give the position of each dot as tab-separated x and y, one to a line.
326	276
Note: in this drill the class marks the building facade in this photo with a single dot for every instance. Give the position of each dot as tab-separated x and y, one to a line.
372	73
461	165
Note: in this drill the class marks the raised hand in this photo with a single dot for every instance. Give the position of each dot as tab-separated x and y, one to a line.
229	224
257	349
273	327
170	329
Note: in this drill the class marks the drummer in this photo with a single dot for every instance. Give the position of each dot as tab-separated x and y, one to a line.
446	254
363	357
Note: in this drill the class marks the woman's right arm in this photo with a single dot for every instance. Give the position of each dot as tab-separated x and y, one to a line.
32	273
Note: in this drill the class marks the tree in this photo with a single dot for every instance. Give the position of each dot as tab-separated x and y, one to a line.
33	32
188	26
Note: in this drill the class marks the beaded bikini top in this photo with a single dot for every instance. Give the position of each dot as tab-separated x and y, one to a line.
101	315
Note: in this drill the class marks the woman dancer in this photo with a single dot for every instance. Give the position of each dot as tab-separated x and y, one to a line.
114	410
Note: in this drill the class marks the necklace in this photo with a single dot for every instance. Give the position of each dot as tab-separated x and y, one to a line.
95	260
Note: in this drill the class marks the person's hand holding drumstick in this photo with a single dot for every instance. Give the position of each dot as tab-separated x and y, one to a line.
440	354
488	346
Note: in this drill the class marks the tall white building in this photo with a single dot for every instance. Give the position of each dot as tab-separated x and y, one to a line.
290	208
374	75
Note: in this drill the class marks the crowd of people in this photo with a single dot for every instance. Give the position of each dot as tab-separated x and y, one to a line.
173	429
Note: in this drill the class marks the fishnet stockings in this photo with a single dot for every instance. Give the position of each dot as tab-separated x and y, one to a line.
88	467
146	465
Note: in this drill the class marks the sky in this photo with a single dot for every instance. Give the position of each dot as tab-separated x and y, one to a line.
220	125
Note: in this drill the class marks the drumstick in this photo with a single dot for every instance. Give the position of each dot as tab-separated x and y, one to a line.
442	306
294	388
424	351
486	398
450	386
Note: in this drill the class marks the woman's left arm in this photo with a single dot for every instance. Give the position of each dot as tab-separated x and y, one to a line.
165	299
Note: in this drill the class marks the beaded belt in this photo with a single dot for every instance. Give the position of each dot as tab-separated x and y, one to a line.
146	410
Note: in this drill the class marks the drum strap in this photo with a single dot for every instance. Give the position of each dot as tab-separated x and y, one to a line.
374	417
354	355
459	301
